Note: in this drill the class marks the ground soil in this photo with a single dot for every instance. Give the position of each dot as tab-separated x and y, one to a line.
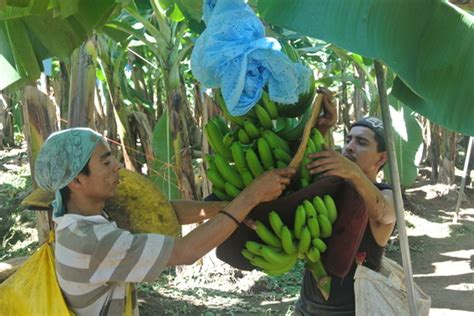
442	257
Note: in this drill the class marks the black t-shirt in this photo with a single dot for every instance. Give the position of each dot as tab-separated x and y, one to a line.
341	299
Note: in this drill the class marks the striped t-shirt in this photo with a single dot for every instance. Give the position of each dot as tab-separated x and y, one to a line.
96	262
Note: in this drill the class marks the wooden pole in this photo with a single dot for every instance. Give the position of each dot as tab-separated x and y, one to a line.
394	174
463	181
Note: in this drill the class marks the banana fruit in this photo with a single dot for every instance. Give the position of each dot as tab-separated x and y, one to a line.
215	138
282	246
227	172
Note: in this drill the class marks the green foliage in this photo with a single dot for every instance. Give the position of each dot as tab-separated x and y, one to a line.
44	29
428	44
16	224
408	140
163	173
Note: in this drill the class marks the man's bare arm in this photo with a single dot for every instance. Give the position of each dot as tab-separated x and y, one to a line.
189	212
380	208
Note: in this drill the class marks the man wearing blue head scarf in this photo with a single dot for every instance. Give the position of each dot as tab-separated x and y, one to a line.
363	156
96	261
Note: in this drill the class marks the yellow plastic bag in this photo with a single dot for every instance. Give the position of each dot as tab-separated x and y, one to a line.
34	289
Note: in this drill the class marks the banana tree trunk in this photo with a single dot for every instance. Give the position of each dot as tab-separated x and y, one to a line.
434	152
345	108
6	123
82	87
61	88
140	85
359	102
447	157
39	115
145	132
182	151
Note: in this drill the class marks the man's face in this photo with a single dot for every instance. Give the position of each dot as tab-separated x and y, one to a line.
101	183
361	148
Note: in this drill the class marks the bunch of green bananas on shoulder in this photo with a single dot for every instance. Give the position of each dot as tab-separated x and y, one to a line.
270	256
318	216
315	144
282	246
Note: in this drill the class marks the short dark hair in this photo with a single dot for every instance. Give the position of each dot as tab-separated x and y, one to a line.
380	143
66	193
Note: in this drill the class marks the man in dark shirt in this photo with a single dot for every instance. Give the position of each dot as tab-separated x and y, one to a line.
362	157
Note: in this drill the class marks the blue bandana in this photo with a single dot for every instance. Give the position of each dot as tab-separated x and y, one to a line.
62	157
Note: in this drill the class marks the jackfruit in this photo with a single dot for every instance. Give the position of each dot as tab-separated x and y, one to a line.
138	206
141	208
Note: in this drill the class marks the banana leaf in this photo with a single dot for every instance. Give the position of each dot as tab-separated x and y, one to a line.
408	140
162	171
428	44
45	29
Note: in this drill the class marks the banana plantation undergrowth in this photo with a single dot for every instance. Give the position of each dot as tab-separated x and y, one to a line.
442	255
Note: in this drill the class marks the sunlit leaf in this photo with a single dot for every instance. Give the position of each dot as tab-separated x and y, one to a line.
408	140
428	44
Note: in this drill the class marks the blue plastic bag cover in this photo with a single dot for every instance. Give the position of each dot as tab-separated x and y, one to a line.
233	54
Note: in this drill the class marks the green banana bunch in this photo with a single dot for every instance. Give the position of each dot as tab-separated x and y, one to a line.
266	235
304	172
228	139
247	178
221	124
331	207
238	156
283	269
276	141
313	226
317	139
227	172
305	241
293	132
325	226
231	190
215	138
244	138
320	206
318	243
269	106
300	220
270	259
275	222
263	117
253	162
310	147
281	155
287	242
265	154
313	254
282	246
251	130
216	179
221	194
